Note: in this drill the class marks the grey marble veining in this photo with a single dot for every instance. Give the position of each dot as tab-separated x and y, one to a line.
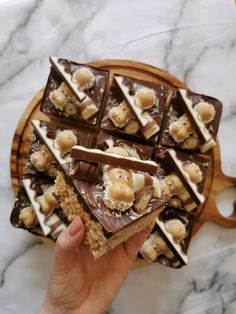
195	41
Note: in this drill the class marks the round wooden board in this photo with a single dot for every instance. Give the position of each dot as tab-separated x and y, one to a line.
215	180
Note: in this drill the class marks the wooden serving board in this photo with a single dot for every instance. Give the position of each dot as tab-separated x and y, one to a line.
215	180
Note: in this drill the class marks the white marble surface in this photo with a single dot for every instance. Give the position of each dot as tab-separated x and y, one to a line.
196	41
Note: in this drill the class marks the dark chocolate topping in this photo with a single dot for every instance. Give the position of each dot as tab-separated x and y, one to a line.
165	167
186	218
176	110
116	97
95	93
92	196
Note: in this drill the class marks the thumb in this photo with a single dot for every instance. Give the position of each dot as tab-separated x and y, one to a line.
67	246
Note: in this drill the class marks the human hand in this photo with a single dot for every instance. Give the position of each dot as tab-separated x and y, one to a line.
80	284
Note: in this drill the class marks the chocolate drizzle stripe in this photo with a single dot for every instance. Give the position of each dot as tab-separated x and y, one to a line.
131	102
99	156
199	126
189	185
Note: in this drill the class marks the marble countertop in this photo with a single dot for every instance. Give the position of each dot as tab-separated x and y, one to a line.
195	41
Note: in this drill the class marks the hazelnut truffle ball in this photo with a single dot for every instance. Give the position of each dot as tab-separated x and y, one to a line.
120	114
38	160
84	78
146	97
50	198
132	127
65	89
193	171
119	175
52	170
122	192
178	131
206	111
148	251
46	153
28	217
44	206
70	109
176	228
191	143
165	187
159	244
58	99
174	183
65	140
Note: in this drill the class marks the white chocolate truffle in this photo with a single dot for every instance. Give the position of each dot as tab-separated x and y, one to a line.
38	160
159	244
50	198
65	89
206	111
58	99
65	140
119	114
28	217
148	251
169	254
178	131
122	192
155	246
118	193
193	171
119	175
176	228
118	205
184	120
146	98
132	127
165	187
191	142
70	109
84	78
52	171
174	183
46	153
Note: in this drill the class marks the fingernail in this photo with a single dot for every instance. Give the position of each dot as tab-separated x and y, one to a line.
75	227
